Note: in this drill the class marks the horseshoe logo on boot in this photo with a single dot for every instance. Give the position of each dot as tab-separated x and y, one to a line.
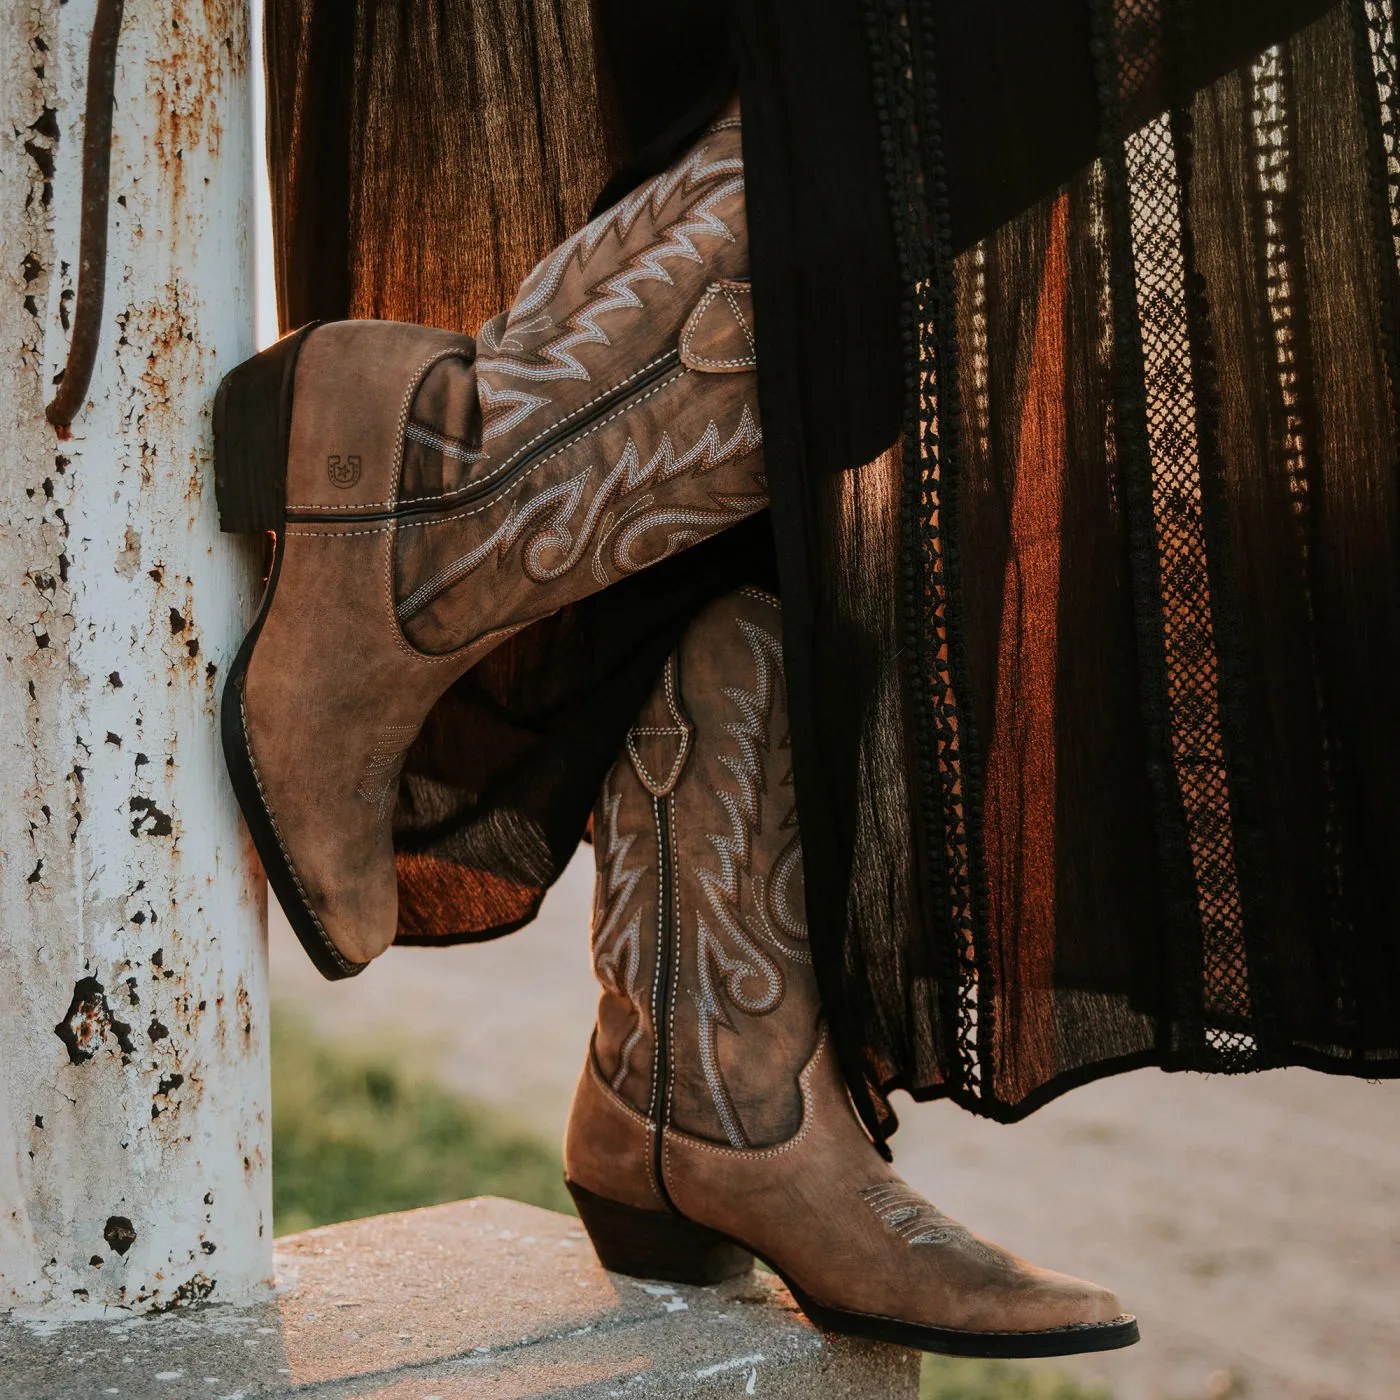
343	472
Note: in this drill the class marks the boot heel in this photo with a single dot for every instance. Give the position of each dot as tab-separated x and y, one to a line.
656	1244
252	428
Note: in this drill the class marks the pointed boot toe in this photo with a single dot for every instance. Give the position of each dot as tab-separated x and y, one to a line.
1018	1297
1080	1302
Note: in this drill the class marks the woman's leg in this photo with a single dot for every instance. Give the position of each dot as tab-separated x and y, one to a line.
432	494
712	1121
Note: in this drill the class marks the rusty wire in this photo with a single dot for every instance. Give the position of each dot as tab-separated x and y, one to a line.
92	239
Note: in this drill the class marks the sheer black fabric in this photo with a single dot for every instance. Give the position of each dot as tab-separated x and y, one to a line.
1078	329
1149	567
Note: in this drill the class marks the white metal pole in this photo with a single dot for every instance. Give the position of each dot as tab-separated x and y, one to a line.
134	1115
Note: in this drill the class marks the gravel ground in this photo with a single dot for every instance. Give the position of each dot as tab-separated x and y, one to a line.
1253	1224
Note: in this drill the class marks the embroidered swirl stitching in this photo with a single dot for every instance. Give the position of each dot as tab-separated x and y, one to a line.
617	939
728	959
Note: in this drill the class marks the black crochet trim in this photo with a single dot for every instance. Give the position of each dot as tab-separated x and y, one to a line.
943	433
1383	137
887	98
1291	268
1182	1021
1241	758
901	60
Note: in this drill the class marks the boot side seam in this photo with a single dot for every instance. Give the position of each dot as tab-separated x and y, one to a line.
654	1130
675	976
656	1053
618	1102
615	1100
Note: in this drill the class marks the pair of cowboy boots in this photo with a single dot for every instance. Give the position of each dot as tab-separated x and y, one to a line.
430	494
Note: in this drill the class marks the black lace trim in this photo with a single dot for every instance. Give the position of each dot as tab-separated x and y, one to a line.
1134	455
1377	69
952	880
1245	997
1283	290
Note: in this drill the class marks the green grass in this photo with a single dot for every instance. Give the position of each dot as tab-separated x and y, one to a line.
952	1378
354	1132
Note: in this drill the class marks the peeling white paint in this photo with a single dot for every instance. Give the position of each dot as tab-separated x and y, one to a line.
134	1142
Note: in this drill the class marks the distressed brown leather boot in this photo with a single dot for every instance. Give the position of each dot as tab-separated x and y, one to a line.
431	494
711	1122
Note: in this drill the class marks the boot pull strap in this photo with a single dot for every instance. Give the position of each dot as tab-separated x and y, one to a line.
718	336
659	751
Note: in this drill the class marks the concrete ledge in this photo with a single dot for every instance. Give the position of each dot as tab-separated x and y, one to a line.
483	1298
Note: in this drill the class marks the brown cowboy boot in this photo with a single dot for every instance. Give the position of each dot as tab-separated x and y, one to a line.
432	494
711	1122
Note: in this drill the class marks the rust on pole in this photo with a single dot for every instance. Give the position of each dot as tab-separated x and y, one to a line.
92	246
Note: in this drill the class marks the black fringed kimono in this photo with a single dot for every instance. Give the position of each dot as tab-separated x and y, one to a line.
1078	329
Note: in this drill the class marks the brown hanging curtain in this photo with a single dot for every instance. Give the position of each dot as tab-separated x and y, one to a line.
1078	365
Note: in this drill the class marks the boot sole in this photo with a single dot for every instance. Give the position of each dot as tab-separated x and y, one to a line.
252	429
657	1245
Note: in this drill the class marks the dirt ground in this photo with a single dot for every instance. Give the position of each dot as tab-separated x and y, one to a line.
1253	1224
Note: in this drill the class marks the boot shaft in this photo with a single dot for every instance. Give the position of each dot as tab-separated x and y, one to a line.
709	1010
609	419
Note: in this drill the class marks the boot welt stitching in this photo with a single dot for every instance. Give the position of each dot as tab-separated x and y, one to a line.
975	1332
511	460
330	532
